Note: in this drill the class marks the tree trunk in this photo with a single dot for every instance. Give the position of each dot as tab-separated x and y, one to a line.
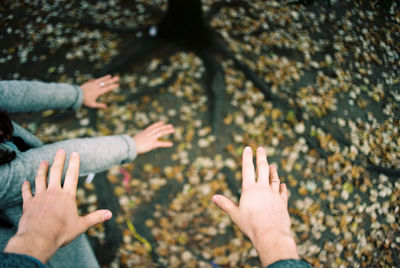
184	23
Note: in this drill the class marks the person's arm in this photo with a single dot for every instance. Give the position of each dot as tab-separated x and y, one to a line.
50	219
97	154
34	96
262	214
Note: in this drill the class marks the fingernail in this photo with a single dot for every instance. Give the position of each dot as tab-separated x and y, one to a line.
44	163
60	151
260	149
215	198
107	215
74	155
247	149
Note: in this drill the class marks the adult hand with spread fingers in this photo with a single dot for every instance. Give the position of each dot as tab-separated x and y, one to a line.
94	88
262	213
50	218
148	139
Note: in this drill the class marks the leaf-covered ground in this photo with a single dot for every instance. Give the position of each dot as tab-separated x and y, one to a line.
332	129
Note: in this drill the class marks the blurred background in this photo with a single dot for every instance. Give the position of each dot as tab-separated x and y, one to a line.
317	83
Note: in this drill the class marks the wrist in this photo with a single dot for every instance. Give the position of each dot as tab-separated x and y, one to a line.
137	144
34	246
274	246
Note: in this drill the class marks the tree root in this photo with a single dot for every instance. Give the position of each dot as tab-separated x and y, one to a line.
133	52
217	6
89	24
163	196
284	104
106	252
215	87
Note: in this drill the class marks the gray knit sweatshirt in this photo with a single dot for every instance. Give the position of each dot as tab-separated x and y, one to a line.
96	154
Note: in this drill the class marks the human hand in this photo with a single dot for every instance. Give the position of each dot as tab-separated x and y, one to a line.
262	213
50	219
94	88
147	139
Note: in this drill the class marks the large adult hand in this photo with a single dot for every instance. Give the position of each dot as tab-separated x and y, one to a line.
148	139
50	219
262	213
94	88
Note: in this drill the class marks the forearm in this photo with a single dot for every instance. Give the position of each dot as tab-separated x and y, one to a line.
97	154
37	247
33	96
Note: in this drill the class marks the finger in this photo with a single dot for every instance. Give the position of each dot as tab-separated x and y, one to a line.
108	88
164	131
26	192
71	177
41	176
155	125
112	80
262	167
226	205
161	127
103	78
94	218
274	179
99	105
247	168
56	169
284	192
164	144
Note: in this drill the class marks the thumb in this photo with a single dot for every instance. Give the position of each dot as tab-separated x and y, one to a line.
94	218
225	204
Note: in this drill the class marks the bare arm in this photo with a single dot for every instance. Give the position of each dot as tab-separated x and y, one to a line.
35	96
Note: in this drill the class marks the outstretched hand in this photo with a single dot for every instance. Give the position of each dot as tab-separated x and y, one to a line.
262	213
148	139
50	218
94	88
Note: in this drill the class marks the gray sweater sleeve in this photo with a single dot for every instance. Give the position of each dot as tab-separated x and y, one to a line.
33	96
96	155
290	263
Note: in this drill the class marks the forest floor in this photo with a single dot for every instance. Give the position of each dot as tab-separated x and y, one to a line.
333	134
